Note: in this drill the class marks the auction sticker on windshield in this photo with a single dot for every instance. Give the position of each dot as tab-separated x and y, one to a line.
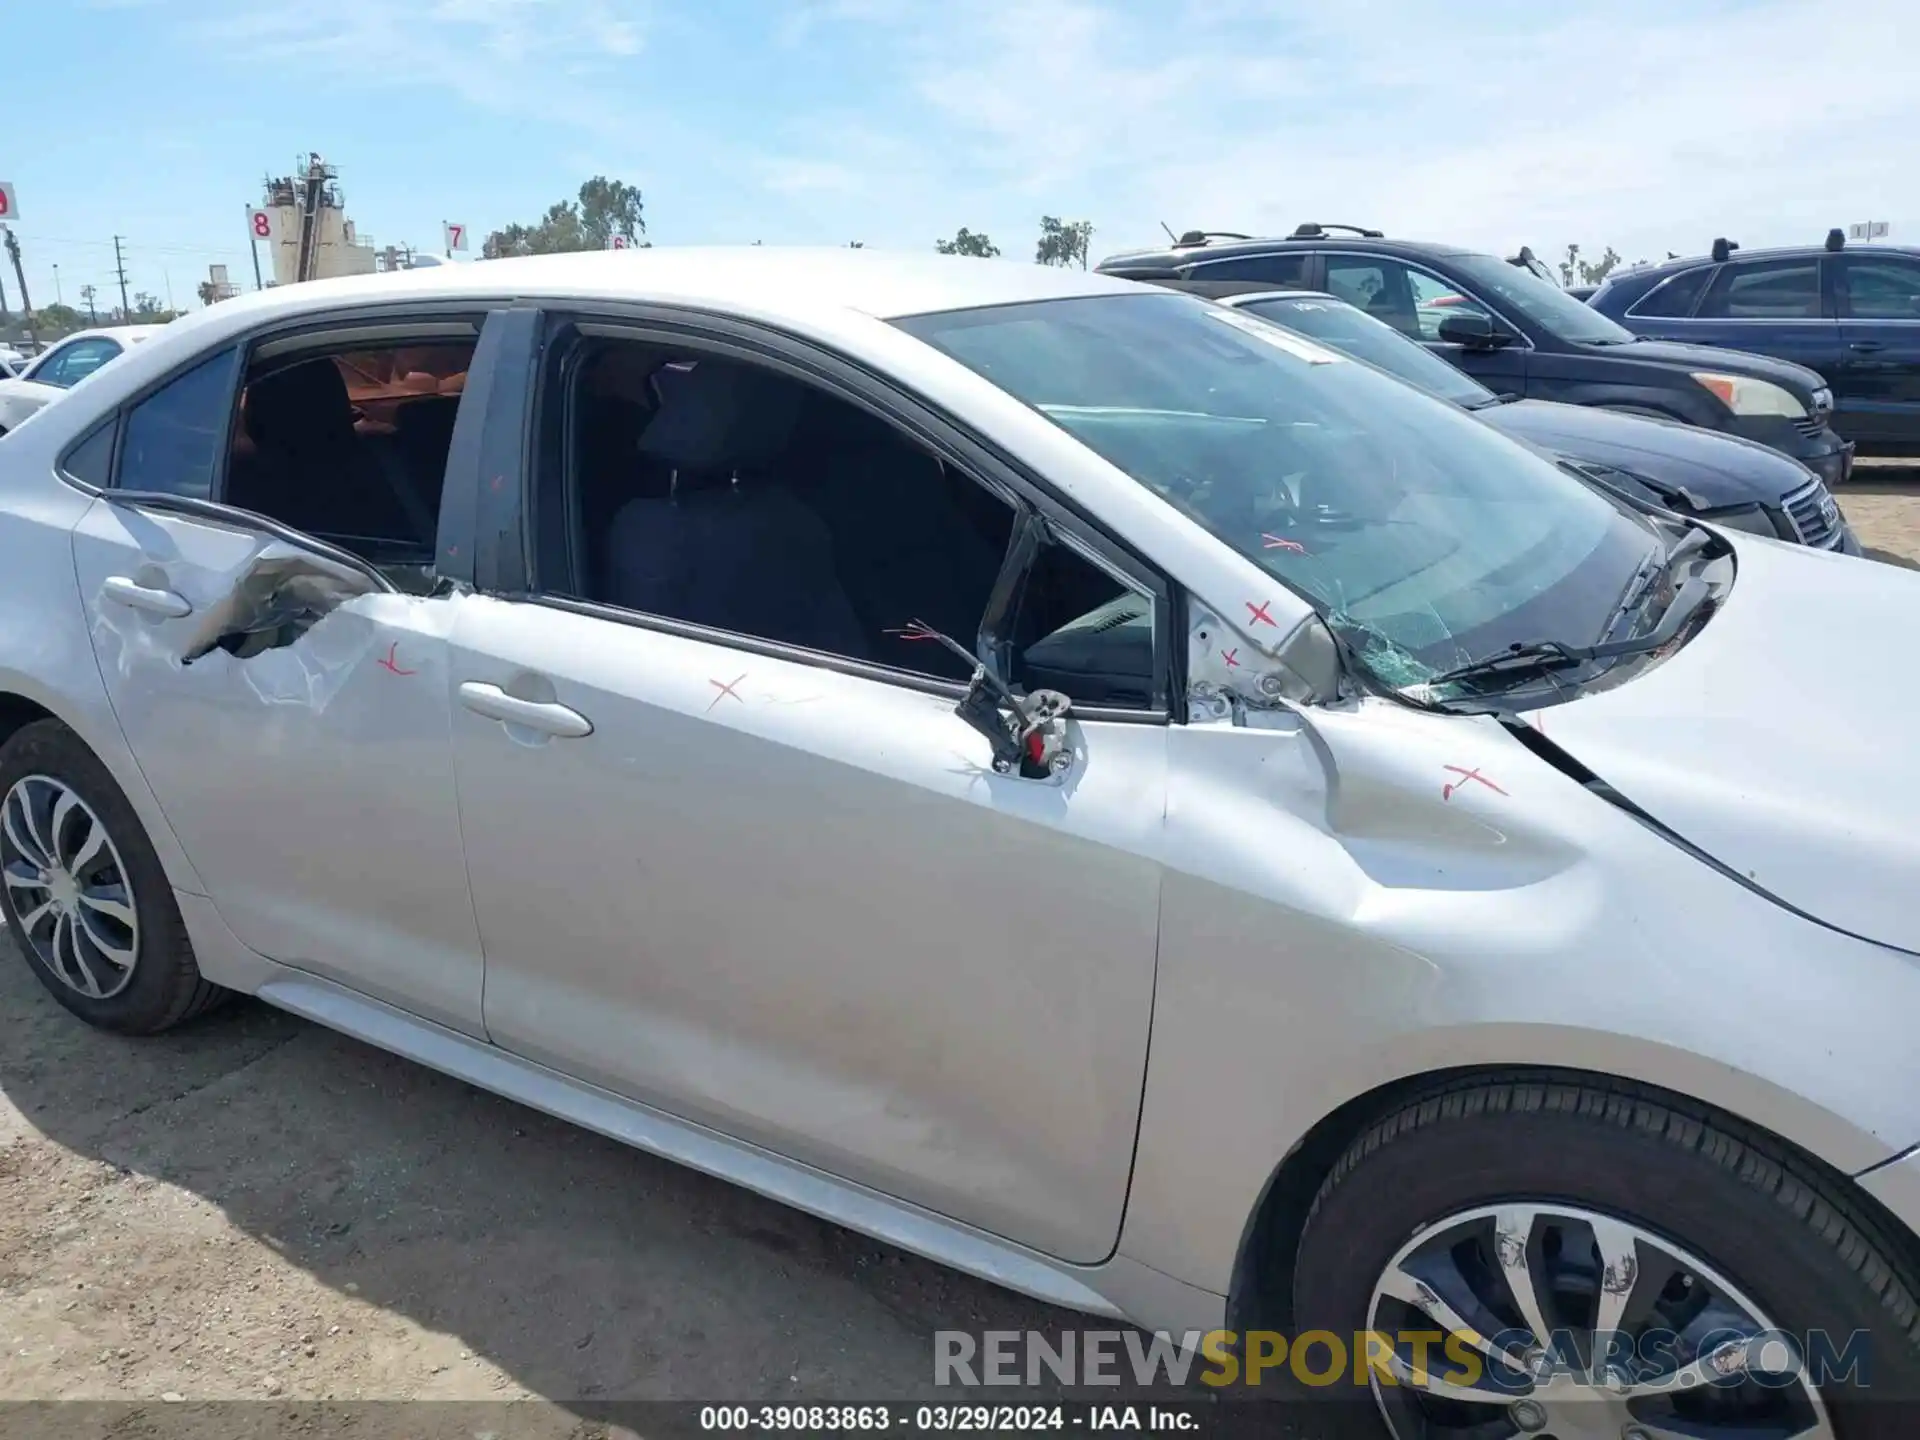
1274	335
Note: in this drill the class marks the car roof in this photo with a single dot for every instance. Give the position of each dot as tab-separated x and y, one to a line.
1181	256
769	279
1661	268
1243	296
131	334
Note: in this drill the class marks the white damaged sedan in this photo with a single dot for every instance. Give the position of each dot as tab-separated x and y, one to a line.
1064	777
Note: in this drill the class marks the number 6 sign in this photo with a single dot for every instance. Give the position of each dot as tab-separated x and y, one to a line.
454	235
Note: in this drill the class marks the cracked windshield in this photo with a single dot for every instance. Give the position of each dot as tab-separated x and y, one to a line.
1425	537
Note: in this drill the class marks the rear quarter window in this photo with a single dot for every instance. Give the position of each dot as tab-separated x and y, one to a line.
1674	297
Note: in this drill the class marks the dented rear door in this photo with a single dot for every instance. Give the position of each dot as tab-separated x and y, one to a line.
305	769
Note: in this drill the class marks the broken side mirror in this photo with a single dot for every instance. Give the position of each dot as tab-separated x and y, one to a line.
1028	736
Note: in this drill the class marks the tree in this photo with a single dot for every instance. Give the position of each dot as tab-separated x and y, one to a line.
851	244
968	243
208	292
1591	272
605	208
147	310
1063	241
53	321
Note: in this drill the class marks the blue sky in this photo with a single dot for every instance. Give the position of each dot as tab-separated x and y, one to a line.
894	122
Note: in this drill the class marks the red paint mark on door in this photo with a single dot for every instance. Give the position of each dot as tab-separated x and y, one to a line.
1447	790
389	662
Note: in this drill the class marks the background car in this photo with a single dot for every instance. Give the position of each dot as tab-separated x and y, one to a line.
1853	314
1521	334
63	365
1718	477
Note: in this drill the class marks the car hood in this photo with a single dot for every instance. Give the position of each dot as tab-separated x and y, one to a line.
1796	378
1779	740
1719	469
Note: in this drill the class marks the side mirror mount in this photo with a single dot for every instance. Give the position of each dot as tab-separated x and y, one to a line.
1472	330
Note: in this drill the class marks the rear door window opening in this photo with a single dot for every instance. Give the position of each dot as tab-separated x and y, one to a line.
343	438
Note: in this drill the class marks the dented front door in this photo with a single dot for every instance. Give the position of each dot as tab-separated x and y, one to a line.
306	769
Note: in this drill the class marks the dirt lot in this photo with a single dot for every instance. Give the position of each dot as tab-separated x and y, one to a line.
259	1208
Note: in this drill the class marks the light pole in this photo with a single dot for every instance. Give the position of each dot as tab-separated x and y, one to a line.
58	298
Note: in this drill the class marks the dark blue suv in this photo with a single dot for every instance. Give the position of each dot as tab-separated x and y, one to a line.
1852	314
1520	334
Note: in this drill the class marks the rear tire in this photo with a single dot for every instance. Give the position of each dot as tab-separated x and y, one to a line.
85	897
1586	1159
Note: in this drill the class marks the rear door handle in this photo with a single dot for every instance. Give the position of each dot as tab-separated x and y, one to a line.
1867	347
145	597
544	716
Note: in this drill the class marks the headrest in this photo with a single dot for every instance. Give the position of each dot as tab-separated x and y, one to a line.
308	400
718	415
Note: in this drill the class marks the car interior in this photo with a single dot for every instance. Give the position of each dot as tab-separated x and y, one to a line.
730	495
351	447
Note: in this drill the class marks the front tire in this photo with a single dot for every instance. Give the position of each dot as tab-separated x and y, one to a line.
1502	1210
84	894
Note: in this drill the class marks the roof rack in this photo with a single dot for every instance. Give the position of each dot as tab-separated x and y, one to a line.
1312	230
1722	248
1836	239
1202	237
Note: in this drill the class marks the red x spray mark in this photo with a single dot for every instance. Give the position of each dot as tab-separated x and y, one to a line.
1446	790
1232	658
726	690
1259	613
388	662
1280	542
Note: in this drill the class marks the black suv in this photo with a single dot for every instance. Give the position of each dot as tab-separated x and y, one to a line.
1853	315
1518	333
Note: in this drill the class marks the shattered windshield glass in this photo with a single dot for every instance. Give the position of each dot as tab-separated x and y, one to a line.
1420	532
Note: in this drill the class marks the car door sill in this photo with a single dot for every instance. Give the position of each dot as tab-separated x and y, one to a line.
907	1226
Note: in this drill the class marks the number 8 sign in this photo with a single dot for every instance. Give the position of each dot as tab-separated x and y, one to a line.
9	207
261	224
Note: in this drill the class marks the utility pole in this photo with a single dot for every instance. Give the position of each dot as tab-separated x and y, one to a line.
87	293
120	269
20	274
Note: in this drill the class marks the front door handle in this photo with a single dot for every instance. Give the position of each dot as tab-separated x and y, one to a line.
145	597
1868	347
544	716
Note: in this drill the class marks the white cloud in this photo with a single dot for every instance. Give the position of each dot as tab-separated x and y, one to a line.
1653	126
1656	126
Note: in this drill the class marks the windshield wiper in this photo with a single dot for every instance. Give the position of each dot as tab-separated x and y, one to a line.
1487	402
1540	657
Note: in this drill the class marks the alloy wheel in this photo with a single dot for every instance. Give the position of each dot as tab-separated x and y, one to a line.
68	887
1567	1324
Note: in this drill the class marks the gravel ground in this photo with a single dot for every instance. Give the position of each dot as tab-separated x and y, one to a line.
255	1207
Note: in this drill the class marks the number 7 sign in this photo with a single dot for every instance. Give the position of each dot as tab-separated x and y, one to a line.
454	235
